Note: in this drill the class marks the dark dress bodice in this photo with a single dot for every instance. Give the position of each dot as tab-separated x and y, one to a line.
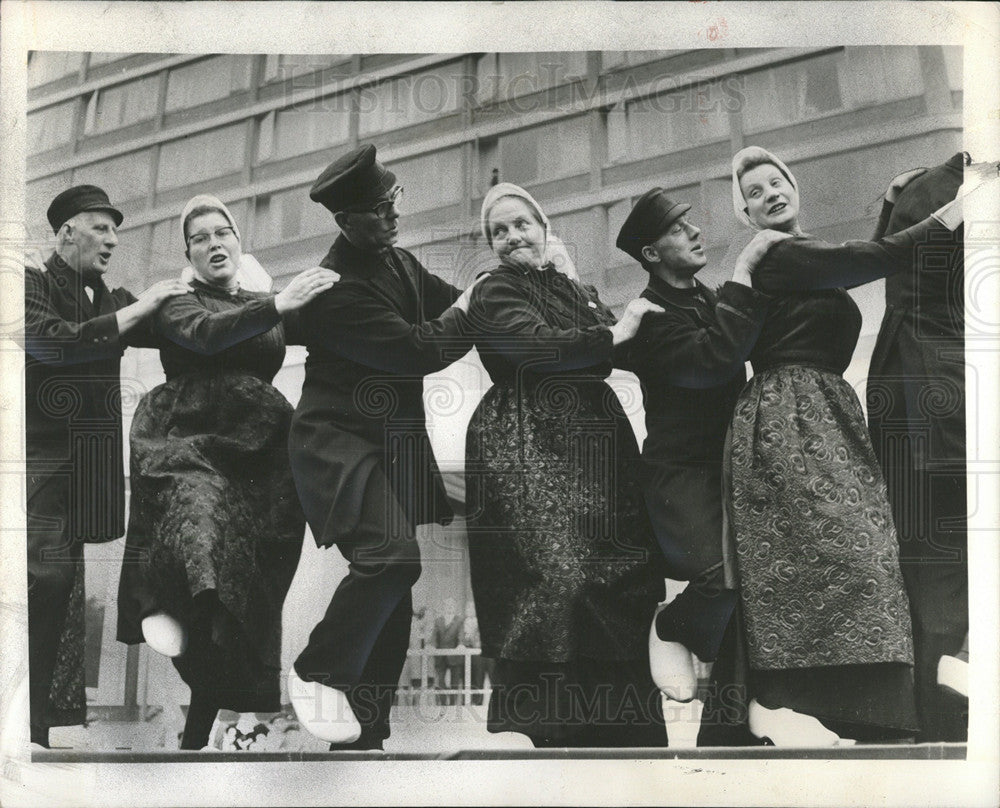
211	331
809	328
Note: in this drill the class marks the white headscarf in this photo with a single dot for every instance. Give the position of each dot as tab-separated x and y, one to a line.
555	251
249	274
744	157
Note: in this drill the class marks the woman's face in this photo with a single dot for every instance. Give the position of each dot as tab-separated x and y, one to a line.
213	248
518	237
772	201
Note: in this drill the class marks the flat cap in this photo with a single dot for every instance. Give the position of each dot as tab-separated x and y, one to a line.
78	199
649	217
357	180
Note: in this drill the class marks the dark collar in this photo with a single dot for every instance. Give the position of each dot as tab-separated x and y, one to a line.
665	291
215	291
343	255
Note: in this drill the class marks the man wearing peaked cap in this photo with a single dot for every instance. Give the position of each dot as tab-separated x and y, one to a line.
690	362
75	331
361	456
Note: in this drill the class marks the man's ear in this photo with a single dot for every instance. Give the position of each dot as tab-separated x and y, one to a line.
341	220
649	254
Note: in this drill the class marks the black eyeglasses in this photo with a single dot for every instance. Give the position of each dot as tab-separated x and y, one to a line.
200	239
383	208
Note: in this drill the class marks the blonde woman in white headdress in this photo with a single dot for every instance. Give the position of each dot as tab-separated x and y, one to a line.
827	623
215	528
566	573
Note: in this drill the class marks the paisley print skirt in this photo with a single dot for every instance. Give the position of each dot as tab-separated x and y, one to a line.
563	559
215	530
815	545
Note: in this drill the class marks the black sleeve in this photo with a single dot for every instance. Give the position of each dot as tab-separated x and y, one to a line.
185	321
508	323
55	341
352	321
807	264
682	352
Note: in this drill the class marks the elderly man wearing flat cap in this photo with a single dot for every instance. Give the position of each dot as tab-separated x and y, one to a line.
690	361
361	456
75	331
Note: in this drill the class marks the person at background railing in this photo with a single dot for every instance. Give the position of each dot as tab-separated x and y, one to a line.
827	622
450	670
215	528
566	573
480	665
75	331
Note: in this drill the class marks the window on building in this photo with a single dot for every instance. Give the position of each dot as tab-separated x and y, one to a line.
953	64
873	75
580	236
97	59
122	105
300	130
791	93
282	67
613	60
431	180
502	76
50	127
289	215
207	80
412	99
125	177
46	66
670	121
539	154
201	157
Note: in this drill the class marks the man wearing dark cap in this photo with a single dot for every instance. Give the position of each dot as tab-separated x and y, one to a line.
361	456
690	361
75	330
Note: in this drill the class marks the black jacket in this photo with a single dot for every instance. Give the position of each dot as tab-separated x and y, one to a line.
371	339
73	393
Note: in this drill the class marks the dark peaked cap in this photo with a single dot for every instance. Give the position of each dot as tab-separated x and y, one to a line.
356	180
651	215
78	199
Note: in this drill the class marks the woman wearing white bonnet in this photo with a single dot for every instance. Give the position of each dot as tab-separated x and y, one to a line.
215	528
565	569
814	549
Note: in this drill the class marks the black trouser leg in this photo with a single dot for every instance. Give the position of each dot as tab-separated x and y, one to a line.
360	644
371	698
698	616
938	594
52	559
200	718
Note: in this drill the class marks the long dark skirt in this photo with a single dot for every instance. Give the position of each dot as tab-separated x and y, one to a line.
215	531
563	559
587	702
826	620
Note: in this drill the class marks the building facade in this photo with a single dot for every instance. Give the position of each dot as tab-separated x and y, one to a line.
585	132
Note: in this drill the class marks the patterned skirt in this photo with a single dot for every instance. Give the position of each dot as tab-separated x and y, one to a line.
215	531
563	559
815	548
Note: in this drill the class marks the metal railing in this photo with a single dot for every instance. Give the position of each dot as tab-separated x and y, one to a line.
464	693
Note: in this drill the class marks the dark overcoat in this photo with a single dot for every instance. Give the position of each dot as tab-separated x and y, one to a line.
372	338
73	395
916	381
690	362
